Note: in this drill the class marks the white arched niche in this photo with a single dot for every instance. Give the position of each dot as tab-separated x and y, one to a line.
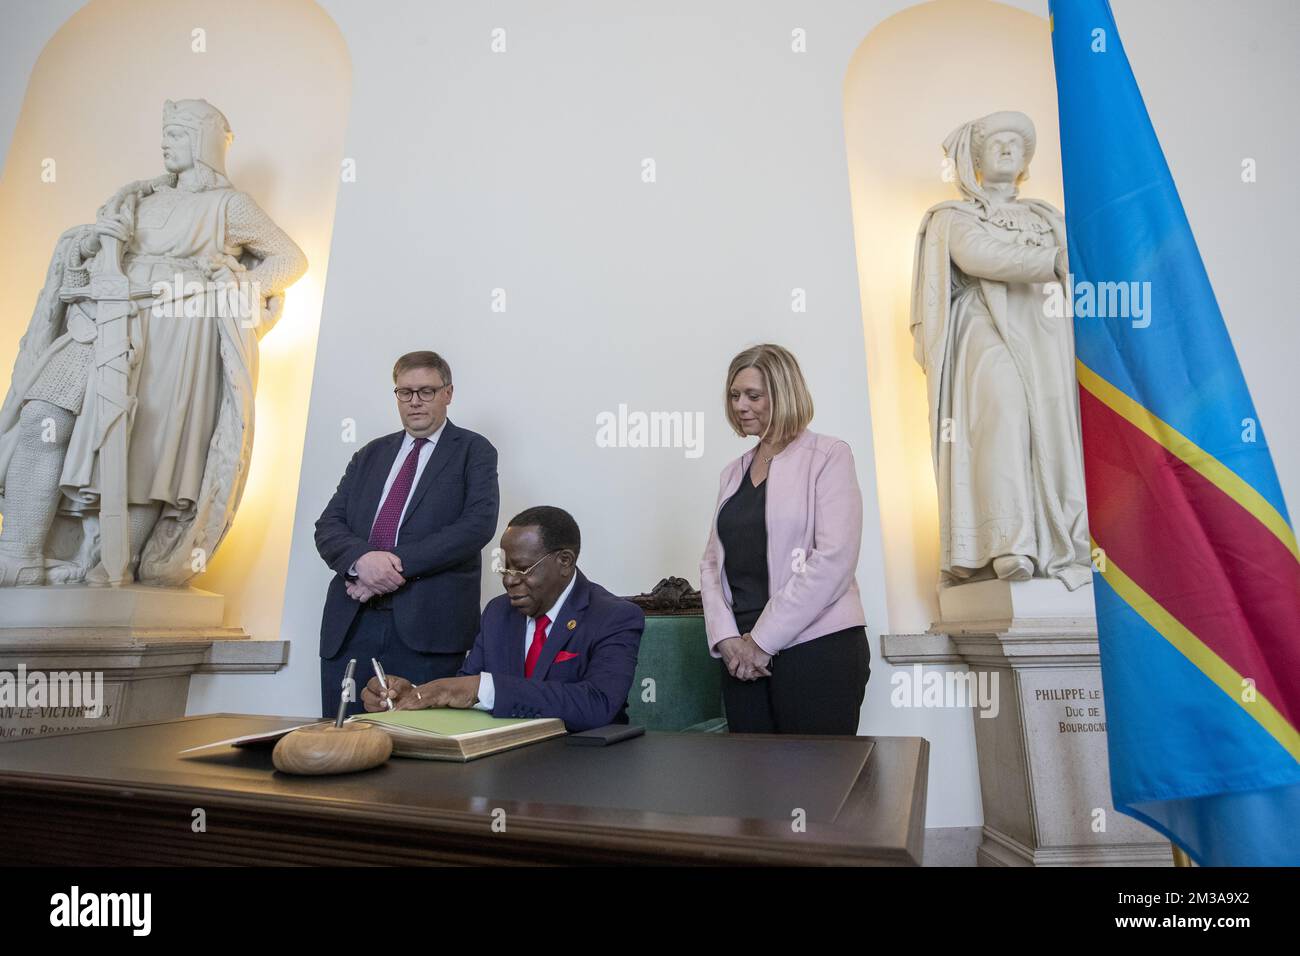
92	117
915	78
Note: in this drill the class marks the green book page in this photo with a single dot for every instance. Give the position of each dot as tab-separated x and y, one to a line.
443	721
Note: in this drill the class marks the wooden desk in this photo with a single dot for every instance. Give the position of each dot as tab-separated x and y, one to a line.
123	796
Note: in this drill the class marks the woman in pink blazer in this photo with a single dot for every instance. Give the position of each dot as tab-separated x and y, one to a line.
781	604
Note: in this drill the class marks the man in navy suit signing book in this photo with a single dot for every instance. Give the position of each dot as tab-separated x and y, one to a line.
404	534
554	645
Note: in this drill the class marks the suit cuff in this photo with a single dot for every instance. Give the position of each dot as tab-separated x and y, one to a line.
352	558
487	692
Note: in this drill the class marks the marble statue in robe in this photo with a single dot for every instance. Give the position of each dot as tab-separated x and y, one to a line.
193	370
999	365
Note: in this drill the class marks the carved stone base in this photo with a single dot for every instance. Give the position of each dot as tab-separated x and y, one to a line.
1044	776
1005	601
133	606
69	651
998	849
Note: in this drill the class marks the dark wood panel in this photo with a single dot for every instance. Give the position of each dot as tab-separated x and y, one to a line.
123	796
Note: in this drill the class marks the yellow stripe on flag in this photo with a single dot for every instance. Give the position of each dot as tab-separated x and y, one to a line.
1219	671
1190	454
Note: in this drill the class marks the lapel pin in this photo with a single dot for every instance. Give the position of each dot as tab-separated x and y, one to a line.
572	624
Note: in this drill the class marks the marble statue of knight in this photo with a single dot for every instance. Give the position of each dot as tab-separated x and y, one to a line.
1004	416
180	414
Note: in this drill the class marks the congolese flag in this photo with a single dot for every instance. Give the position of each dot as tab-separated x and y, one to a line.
1197	579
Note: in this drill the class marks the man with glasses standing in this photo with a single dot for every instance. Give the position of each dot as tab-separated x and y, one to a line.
404	534
554	645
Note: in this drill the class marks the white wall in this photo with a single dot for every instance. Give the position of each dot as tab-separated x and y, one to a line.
522	171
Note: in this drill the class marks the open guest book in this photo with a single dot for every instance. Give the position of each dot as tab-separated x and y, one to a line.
438	733
443	733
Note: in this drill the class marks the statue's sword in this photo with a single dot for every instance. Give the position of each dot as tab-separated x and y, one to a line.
111	291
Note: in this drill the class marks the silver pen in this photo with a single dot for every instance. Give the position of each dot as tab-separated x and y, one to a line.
383	681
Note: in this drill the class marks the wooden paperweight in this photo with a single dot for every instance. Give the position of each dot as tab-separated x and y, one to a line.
323	748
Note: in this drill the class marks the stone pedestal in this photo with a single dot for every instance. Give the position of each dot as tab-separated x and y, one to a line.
1044	776
67	652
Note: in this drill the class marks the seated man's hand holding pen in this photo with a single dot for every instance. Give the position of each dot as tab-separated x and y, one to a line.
459	692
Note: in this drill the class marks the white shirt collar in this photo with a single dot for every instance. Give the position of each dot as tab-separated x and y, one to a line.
408	439
554	612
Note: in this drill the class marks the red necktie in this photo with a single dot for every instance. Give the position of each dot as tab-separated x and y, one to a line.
383	533
535	648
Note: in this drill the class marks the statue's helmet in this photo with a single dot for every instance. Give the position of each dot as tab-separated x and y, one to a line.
210	134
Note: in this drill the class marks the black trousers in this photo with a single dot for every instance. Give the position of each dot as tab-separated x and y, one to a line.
373	635
815	688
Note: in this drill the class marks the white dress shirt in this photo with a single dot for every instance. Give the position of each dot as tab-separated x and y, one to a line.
426	451
487	692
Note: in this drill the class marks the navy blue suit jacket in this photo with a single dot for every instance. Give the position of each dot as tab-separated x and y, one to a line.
587	686
450	516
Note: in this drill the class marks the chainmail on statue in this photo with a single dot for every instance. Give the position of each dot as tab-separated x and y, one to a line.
29	507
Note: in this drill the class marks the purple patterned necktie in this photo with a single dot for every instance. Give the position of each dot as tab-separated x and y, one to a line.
383	534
